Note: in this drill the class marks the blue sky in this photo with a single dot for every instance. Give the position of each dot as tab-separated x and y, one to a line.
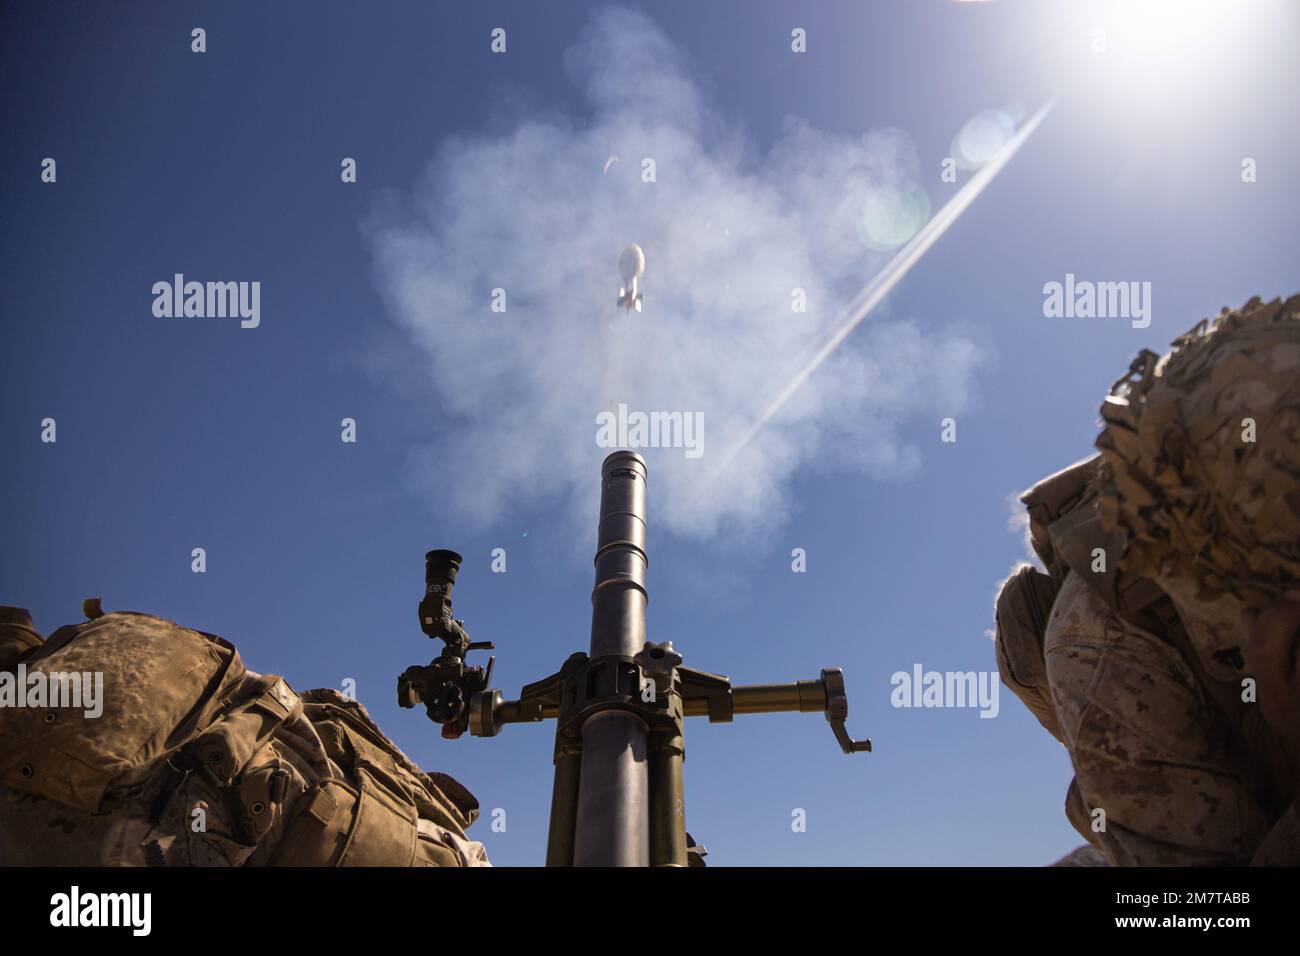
175	434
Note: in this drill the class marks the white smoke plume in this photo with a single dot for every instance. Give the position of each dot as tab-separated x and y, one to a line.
729	233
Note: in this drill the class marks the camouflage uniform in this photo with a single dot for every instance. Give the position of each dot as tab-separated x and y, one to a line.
1150	749
197	761
1142	666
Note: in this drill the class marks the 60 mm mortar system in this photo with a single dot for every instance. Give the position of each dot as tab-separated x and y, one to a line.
620	708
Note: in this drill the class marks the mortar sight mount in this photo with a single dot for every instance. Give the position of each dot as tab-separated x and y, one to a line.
620	709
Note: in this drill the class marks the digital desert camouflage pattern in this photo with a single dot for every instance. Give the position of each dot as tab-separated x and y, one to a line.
1151	751
1157	778
1203	453
197	761
1144	657
1024	604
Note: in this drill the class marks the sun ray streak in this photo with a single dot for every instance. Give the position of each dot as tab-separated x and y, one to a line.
888	277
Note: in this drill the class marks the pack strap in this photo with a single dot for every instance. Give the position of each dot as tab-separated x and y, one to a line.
229	743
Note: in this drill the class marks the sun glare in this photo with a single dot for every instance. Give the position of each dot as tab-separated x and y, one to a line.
1154	47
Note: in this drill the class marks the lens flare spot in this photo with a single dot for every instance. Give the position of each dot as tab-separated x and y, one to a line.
982	137
892	215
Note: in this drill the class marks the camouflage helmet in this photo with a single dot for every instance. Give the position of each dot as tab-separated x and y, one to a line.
1201	451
